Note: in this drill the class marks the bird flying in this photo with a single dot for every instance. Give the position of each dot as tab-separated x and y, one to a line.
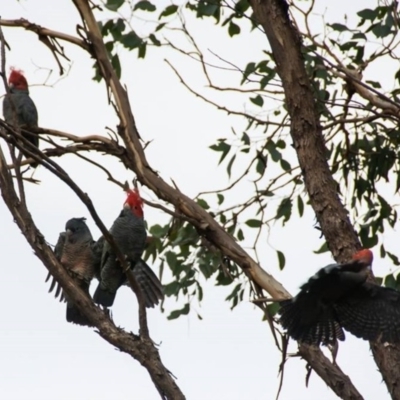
339	297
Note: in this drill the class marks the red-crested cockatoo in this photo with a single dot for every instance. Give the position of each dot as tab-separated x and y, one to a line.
18	107
339	297
129	233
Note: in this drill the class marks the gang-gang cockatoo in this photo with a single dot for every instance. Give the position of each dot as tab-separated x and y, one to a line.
19	110
129	233
75	252
339	297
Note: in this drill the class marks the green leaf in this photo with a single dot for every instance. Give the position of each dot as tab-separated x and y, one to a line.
230	164
284	210
234	292
199	292
115	28
131	40
273	308
142	50
222	147
172	9
206	268
145	6
275	154
322	249
233	29
245	138
177	313
374	84
241	6
203	204
116	65
359	35
160	26
285	165
223	279
250	68
159	231
390	281
208	9
253	223
221	198
338	27
300	206
281	259
368	14
113	5
281	144
368	241
394	259
171	289
172	260
258	100
154	40
261	164
380	30
109	47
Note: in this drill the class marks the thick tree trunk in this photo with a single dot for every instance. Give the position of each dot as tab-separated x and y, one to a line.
309	143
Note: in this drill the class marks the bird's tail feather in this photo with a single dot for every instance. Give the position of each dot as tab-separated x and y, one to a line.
76	317
149	283
54	284
103	297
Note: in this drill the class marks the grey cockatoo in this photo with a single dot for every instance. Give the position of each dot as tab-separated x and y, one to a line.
75	251
19	109
339	297
129	233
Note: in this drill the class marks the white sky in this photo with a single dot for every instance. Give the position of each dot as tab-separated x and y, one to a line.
227	355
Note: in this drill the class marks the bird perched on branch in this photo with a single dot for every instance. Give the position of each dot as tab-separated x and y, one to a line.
74	249
339	297
129	234
19	110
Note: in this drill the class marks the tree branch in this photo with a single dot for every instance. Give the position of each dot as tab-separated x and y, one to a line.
41	31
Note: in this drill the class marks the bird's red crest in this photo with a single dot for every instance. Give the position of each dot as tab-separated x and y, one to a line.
17	79
364	256
135	202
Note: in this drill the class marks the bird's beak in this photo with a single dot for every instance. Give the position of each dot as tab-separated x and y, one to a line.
11	86
68	232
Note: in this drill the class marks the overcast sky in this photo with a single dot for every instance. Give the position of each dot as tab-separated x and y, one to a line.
228	355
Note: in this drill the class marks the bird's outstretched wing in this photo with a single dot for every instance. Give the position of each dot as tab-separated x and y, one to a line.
371	312
308	320
58	249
